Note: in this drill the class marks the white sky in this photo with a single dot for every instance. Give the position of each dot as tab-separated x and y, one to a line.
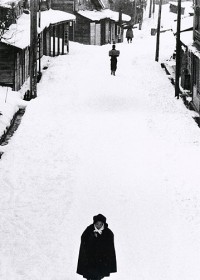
92	143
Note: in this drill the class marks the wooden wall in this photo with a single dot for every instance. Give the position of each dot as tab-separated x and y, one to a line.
55	39
105	31
21	70
63	5
88	32
14	66
82	30
7	55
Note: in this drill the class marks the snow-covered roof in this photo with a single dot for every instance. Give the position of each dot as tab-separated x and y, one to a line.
8	3
195	51
187	38
186	23
106	13
18	34
54	16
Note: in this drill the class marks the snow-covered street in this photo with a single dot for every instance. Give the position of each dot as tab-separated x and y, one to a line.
92	143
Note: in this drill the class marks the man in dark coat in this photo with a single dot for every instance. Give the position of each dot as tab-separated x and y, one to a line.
129	34
97	257
113	60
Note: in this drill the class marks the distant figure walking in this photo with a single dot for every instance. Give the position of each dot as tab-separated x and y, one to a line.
129	35
97	257
113	60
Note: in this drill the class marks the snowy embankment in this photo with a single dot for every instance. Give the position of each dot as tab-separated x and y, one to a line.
93	143
10	103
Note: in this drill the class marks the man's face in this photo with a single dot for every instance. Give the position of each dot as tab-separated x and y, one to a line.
98	224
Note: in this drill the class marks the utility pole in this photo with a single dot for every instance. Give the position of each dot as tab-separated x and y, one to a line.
150	7
154	4
39	37
178	50
135	11
33	48
158	31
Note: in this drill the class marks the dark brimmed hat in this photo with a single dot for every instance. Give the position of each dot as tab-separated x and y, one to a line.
100	218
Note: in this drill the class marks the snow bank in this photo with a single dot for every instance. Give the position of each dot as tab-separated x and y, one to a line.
10	103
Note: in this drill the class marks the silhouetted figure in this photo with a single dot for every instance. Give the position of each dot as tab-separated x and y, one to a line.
113	60
129	35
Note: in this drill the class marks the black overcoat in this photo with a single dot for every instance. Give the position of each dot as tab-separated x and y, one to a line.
113	63
97	257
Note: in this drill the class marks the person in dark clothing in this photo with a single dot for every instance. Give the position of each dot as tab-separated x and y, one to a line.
97	258
113	60
129	34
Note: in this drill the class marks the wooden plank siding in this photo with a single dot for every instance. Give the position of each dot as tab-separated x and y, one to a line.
82	30
105	31
63	5
66	36
95	32
21	67
58	38
14	66
112	31
63	41
7	55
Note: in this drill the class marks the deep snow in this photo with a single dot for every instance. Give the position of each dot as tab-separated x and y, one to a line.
92	143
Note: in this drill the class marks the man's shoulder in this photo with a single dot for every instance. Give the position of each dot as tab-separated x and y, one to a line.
109	231
114	53
90	227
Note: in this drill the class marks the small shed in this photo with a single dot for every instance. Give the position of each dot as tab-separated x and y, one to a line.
98	27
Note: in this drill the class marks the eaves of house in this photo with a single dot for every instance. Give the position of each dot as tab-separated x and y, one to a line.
18	34
186	38
103	14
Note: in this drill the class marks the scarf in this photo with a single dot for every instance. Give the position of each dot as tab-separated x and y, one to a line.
96	230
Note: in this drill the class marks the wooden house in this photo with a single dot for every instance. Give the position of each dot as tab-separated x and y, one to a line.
98	27
13	61
15	45
95	23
